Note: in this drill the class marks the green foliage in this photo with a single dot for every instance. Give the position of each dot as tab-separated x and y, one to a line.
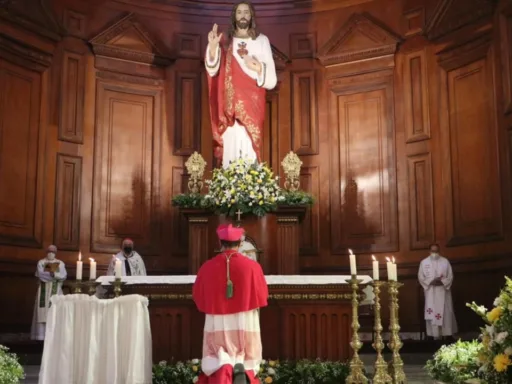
190	201
455	363
297	198
11	371
271	371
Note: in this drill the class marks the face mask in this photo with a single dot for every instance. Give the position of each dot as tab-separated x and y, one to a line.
127	250
50	256
434	254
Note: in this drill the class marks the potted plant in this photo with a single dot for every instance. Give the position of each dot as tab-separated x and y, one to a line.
11	371
455	363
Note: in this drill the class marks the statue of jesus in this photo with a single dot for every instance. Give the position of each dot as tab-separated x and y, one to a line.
239	72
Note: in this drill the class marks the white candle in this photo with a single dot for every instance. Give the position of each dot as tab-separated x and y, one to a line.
395	274
118	270
92	275
375	268
389	268
353	268
79	266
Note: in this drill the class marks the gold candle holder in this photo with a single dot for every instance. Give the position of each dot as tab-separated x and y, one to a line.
117	286
356	375
380	375
92	285
76	286
396	365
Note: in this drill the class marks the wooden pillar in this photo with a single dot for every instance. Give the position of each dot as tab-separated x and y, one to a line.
288	241
198	238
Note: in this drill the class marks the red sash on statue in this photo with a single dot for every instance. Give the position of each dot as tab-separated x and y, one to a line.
235	96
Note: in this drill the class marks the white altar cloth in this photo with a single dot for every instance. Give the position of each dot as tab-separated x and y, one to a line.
271	279
93	341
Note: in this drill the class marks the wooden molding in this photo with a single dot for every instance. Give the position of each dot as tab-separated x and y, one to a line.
415	21
360	38
129	40
456	56
75	23
451	15
302	45
280	59
188	45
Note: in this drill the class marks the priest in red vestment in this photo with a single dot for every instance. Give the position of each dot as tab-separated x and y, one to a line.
239	73
229	289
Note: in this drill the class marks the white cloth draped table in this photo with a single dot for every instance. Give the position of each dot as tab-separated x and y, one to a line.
93	341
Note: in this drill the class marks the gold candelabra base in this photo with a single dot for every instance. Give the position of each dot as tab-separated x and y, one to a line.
356	375
381	375
117	286
76	286
91	287
396	365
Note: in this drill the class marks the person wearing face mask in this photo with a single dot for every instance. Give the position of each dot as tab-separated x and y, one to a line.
436	277
131	262
51	273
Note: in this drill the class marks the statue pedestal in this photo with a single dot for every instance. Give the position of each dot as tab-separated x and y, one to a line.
276	235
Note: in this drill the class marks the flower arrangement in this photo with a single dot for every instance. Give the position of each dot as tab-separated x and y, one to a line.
495	352
11	371
455	363
246	186
271	371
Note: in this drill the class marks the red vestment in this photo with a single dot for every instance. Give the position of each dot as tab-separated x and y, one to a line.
250	292
250	289
235	96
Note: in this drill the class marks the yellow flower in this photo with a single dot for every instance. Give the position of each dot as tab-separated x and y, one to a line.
268	379
272	363
261	202
495	314
501	362
259	181
194	368
486	340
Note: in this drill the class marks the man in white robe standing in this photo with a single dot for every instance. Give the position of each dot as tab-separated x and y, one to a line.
51	273
436	277
239	73
131	262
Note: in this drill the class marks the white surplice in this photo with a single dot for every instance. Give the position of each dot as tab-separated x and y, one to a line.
439	314
137	266
237	142
48	286
247	249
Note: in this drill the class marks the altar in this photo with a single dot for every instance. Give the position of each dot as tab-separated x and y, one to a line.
307	316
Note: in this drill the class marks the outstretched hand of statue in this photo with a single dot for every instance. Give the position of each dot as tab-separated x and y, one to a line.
214	39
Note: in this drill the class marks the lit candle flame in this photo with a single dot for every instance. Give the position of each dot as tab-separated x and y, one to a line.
387	258
393	257
373	258
350	251
79	256
91	259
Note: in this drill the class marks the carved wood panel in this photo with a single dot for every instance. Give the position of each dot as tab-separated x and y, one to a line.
270	137
363	205
173	341
21	154
506	57
310	225
72	98
188	114
304	115
67	202
421	201
416	97
179	222
314	332
126	169
473	196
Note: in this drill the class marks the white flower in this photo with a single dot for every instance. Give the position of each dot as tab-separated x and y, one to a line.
490	330
497	301
263	362
195	379
195	361
500	337
508	351
509	307
271	371
163	363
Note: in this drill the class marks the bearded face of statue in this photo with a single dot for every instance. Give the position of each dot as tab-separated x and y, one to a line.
243	16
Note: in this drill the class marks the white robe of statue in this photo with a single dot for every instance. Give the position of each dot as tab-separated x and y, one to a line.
237	142
247	249
48	286
439	314
137	267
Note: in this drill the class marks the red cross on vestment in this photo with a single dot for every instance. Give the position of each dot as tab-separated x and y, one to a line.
438	316
429	311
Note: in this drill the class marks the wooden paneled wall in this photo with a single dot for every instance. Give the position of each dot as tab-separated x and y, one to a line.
400	111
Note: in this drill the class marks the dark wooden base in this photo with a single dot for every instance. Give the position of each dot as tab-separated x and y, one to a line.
299	322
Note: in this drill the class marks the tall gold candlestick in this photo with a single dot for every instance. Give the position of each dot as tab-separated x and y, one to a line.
396	365
117	286
380	376
356	375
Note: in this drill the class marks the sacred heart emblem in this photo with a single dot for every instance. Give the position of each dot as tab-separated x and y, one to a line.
242	49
